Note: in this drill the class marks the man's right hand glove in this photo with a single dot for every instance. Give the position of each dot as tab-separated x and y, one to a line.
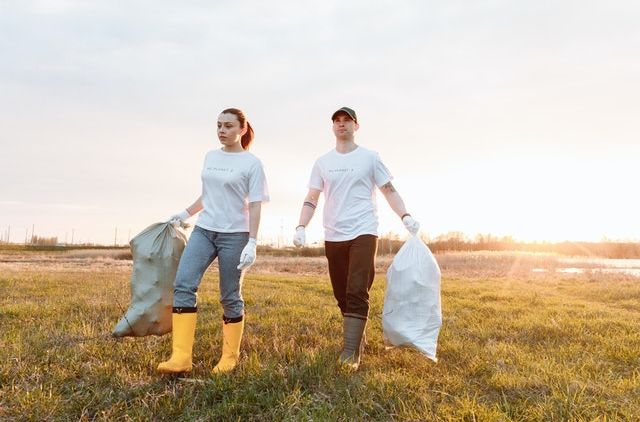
178	219
299	239
410	224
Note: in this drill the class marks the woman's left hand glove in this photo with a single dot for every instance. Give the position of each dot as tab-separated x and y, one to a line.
248	255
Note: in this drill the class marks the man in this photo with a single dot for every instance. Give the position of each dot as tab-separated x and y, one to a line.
348	176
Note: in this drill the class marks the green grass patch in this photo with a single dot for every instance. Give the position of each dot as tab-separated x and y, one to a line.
539	349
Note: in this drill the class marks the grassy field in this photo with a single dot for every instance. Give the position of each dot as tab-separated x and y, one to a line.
515	345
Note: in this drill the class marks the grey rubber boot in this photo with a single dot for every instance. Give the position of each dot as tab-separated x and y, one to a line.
352	328
364	341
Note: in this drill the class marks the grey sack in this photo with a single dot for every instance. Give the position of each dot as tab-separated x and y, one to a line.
156	253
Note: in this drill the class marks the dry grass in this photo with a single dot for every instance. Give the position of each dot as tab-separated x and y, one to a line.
515	345
454	264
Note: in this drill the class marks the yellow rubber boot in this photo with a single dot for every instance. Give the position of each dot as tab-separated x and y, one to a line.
184	328
231	338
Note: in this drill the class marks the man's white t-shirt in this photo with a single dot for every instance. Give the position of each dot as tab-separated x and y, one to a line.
349	184
230	180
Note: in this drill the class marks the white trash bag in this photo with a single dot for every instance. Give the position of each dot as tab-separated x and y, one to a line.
156	253
411	315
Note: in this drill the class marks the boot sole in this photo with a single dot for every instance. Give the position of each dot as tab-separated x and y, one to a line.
173	371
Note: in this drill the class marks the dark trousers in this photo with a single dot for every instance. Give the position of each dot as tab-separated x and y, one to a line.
351	269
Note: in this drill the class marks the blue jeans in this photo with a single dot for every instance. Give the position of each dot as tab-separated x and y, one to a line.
202	248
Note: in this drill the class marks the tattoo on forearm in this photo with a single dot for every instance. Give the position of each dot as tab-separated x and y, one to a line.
389	187
309	204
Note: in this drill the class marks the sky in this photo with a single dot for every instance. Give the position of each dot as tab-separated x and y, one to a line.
510	118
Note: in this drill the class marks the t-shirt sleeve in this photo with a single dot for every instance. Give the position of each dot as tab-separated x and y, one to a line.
315	181
258	190
381	173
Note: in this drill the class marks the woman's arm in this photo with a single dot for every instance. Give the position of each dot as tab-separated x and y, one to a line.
254	218
196	207
187	213
248	254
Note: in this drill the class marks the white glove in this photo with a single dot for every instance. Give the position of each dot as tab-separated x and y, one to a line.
299	239
179	218
248	255
410	224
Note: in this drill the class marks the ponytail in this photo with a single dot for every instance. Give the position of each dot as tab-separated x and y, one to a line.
247	138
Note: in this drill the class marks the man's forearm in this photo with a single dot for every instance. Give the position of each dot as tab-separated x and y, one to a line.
306	213
308	207
396	203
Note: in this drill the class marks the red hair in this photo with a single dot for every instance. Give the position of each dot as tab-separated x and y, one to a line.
247	138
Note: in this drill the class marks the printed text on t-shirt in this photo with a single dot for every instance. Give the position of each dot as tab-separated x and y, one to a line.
220	169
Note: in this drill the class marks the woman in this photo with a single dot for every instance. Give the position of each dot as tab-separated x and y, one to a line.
233	189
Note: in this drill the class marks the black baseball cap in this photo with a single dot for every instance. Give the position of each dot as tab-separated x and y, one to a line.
346	110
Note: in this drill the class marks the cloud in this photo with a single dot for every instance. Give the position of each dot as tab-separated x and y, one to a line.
111	104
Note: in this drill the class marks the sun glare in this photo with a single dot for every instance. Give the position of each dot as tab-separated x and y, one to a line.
531	200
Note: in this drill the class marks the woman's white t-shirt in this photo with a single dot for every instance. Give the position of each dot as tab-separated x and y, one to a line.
230	180
349	184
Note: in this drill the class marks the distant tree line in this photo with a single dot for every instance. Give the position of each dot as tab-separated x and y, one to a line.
457	241
389	244
44	241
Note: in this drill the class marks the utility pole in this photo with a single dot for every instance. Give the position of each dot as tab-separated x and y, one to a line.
26	235
72	233
33	232
9	234
115	238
